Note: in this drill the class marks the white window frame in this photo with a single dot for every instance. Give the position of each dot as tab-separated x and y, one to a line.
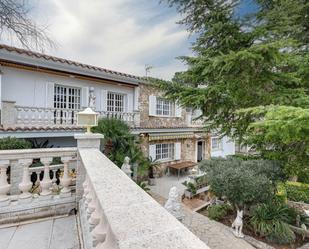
165	151
164	107
67	98
114	98
218	143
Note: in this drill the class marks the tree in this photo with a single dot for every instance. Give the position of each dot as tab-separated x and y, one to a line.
257	61
243	183
15	22
118	143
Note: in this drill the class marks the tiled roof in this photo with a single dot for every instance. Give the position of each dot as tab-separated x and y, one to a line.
40	128
65	61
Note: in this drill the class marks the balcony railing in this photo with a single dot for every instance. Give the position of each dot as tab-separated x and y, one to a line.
36	180
113	212
23	116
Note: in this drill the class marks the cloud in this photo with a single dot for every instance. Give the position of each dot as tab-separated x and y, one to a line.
122	35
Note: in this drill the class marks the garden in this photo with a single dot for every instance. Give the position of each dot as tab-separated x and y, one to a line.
273	207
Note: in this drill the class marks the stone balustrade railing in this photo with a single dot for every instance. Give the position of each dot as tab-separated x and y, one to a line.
35	178
45	116
116	213
13	115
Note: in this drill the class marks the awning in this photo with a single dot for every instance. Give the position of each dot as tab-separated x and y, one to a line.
164	136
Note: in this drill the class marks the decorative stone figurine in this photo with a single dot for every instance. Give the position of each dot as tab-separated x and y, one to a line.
172	205
237	224
92	98
126	167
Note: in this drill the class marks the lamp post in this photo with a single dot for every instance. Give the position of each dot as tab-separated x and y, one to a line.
87	118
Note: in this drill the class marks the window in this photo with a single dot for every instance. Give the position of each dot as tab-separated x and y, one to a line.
66	97
164	151
164	107
115	102
215	143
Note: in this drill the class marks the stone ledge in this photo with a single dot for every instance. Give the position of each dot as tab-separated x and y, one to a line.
17	212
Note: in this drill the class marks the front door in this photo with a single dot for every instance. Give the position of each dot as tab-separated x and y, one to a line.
200	151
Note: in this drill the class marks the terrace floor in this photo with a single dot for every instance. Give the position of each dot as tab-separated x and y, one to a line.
54	233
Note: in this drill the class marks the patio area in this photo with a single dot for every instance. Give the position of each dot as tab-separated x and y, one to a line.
56	233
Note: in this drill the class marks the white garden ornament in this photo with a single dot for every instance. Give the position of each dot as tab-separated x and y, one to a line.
126	167
238	224
172	205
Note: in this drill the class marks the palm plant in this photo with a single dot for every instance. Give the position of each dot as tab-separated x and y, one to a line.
272	221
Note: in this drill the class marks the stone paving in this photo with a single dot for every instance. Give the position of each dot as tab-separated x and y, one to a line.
214	234
55	233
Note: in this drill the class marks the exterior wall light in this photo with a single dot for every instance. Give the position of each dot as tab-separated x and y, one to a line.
87	118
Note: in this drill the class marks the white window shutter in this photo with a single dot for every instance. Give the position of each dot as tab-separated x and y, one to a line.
177	151
152	105
136	98
49	100
178	110
85	97
129	102
152	151
104	100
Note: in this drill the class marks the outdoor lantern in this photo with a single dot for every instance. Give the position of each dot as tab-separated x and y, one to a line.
87	118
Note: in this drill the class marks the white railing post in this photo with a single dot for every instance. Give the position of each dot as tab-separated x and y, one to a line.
84	141
4	186
46	182
25	184
8	114
65	180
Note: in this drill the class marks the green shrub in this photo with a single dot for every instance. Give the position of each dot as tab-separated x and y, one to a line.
297	191
272	222
217	212
12	143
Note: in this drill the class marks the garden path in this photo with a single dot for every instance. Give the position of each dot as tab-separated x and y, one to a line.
214	234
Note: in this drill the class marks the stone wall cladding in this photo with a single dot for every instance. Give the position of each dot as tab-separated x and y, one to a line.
188	150
147	121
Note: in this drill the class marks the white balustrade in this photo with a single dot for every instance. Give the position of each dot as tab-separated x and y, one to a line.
120	215
4	186
46	182
39	116
26	184
23	174
65	180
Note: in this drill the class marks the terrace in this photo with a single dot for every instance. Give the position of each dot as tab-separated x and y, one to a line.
14	116
40	188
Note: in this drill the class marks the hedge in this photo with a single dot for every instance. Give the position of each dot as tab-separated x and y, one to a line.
12	143
297	191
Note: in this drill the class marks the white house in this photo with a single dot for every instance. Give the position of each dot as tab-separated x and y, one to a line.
40	95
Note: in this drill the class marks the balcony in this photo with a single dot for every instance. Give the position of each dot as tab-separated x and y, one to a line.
112	212
13	116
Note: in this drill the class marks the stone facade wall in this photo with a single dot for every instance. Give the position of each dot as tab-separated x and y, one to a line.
147	121
188	150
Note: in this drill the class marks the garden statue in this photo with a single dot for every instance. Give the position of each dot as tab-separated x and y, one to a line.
172	205
126	167
238	223
92	98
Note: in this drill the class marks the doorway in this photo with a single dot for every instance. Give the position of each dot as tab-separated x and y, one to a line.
200	150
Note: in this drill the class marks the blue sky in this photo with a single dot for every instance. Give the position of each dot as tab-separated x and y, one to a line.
121	35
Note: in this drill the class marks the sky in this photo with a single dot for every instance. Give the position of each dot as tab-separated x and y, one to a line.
121	35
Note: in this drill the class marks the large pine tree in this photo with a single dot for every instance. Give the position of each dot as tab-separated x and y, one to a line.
248	74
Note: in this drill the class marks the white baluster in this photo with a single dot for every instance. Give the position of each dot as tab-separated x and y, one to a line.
26	120
86	187
46	182
99	232
39	116
95	216
26	184
91	205
33	112
65	180
4	186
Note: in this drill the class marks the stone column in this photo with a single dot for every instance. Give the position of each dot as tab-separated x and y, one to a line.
8	114
16	175
84	141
